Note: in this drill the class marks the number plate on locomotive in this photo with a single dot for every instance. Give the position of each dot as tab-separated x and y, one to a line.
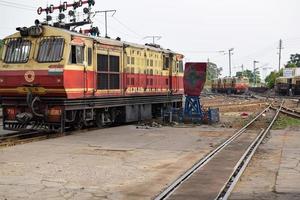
34	90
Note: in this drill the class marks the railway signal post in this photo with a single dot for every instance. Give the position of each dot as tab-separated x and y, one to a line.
192	108
194	80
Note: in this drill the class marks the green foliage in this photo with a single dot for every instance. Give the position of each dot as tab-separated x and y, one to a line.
284	121
239	74
271	78
294	61
1	46
213	71
249	74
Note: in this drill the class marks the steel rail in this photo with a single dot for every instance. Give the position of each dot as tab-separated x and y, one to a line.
17	137
245	160
288	111
172	187
295	97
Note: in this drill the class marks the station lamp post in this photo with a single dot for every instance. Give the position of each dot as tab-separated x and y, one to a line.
230	53
254	71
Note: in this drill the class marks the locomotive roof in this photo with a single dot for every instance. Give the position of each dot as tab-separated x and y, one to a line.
114	41
103	40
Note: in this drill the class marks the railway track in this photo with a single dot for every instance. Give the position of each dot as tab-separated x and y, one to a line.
288	111
293	98
22	137
214	176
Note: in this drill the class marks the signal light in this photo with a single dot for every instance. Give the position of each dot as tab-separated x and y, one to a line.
37	22
86	10
91	2
61	16
48	18
65	6
71	13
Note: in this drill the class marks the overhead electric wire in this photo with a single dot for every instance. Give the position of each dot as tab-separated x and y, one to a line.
128	28
17	4
259	53
199	51
18	7
114	29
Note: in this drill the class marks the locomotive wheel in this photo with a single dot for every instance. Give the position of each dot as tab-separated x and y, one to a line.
78	123
99	120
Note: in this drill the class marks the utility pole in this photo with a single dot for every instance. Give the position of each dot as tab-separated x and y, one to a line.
242	66
254	71
230	54
105	12
280	51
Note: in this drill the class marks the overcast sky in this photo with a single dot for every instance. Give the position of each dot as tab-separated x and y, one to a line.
197	28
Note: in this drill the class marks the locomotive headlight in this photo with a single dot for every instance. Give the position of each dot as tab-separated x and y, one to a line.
58	80
1	80
35	31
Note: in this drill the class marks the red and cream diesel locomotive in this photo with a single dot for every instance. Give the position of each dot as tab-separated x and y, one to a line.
229	85
53	78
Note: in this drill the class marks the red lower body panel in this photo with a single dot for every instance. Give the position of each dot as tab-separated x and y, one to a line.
74	84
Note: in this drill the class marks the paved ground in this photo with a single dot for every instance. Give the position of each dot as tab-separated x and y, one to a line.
129	163
274	173
113	163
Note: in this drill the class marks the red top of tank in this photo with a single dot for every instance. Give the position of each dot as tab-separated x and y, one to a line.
194	78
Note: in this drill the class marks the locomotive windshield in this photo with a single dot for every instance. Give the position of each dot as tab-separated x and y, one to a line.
242	80
51	50
17	50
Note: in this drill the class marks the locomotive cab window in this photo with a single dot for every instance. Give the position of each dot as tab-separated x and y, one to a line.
51	50
166	62
77	54
17	51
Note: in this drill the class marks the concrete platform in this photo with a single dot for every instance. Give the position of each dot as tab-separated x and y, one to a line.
113	163
274	173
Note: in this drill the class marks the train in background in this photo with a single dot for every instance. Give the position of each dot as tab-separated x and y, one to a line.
230	85
287	86
289	83
54	78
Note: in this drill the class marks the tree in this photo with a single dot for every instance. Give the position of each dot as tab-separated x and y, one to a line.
250	75
294	61
213	71
271	78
